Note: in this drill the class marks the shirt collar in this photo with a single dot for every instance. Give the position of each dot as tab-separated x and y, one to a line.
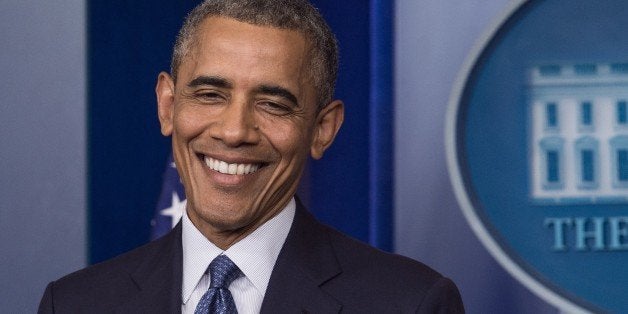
255	255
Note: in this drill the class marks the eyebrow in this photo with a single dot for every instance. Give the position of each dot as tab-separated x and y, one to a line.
210	80
221	82
278	91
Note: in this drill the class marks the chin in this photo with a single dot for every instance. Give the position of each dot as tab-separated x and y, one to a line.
223	219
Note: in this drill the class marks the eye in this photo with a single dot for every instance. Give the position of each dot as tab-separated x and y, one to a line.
275	108
209	96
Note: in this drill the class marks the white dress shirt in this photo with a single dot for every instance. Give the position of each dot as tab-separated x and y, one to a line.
255	255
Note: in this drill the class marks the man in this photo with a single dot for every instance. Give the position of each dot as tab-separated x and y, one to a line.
249	97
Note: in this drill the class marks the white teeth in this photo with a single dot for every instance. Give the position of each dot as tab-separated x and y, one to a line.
223	167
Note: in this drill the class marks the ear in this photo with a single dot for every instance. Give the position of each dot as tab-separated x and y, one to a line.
328	122
165	102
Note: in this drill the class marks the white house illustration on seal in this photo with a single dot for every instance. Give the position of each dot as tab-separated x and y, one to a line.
578	129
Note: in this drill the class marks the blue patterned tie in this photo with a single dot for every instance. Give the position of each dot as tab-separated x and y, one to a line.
218	299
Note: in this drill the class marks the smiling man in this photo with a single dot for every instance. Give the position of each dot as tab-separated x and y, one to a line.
243	113
247	100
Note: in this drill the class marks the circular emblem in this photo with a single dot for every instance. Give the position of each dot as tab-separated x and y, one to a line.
537	148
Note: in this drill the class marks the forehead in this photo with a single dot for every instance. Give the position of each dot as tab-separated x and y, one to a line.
218	27
227	44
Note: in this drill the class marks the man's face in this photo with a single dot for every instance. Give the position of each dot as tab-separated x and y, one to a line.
243	119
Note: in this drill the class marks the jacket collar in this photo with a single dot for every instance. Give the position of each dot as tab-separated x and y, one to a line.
158	278
305	263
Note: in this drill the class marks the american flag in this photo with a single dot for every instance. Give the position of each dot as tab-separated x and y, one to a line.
171	202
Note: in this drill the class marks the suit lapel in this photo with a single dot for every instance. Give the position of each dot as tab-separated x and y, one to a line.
306	261
158	278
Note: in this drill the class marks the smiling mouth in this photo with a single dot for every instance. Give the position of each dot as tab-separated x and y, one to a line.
227	168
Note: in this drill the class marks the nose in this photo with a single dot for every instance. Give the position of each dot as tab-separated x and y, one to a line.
236	125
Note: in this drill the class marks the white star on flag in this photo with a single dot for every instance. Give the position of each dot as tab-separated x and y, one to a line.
175	211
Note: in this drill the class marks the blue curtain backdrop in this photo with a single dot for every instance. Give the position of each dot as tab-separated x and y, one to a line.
129	42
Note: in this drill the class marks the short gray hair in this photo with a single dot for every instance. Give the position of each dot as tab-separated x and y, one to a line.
298	15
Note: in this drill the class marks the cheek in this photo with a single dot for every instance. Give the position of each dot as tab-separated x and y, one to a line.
290	140
189	123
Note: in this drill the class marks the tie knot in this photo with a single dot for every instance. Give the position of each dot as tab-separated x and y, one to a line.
223	272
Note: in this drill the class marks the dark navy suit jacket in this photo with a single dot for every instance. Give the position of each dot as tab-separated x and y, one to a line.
319	270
